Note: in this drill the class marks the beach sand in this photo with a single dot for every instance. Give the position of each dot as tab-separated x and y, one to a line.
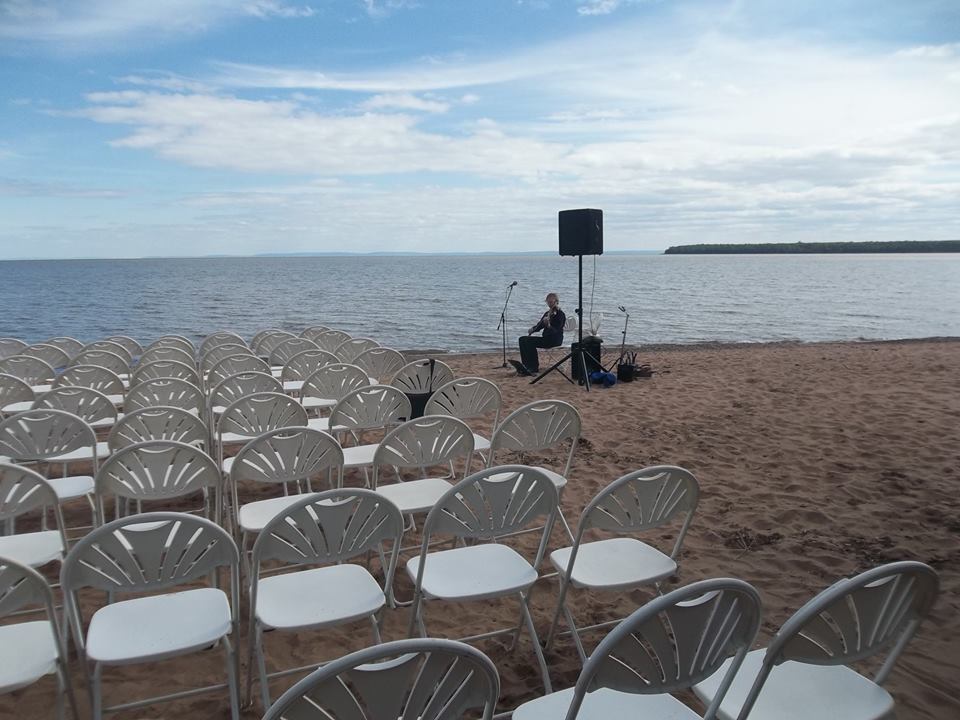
815	461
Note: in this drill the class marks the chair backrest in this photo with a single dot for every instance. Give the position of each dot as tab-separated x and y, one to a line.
220	352
71	346
31	370
853	619
304	364
256	339
156	470
163	422
643	500
289	347
539	425
132	346
348	350
428	679
313	331
10	346
40	434
370	407
102	358
674	642
50	354
91	376
258	413
422	376
334	381
466	398
424	442
165	369
171	352
166	392
268	343
110	347
287	454
221	337
234	364
233	388
23	490
91	405
14	390
381	363
331	340
24	587
177	341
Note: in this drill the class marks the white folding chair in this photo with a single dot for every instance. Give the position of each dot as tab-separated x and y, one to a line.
669	644
373	407
551	355
93	406
221	337
165	392
348	350
410	679
311	332
422	376
71	346
380	363
158	423
268	343
327	530
328	385
289	347
16	395
95	377
169	352
804	673
114	348
485	506
302	365
50	354
177	341
24	491
468	398
217	353
144	554
330	340
31	650
125	341
637	502
255	414
234	365
10	346
112	361
33	371
165	369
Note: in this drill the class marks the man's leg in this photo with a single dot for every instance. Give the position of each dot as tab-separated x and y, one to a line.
528	352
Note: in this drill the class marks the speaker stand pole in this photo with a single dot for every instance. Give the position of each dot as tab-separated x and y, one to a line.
502	325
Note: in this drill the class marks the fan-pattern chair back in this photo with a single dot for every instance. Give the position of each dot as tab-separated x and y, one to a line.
374	406
132	346
110	347
71	346
156	470
304	364
348	350
422	376
231	389
20	587
256	340
424	442
287	454
313	331
258	413
14	390
10	346
466	398
91	376
177	341
50	354
268	343
23	490
167	353
334	382
91	405
674	642
538	425
233	365
40	434
428	679
113	362
166	392
221	337
165	369
221	352
157	423
331	340
285	350
31	370
381	363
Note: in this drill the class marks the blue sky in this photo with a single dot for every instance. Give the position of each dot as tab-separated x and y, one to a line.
193	127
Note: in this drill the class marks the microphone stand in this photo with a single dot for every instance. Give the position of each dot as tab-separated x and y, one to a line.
503	322
623	340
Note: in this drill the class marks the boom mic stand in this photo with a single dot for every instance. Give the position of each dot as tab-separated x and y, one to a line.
623	341
503	321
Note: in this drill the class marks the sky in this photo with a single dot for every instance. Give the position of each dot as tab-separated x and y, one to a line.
134	128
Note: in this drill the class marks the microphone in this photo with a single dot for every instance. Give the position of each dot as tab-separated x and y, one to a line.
514	283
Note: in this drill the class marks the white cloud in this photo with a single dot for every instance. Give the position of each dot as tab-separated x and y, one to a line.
383	8
598	7
405	101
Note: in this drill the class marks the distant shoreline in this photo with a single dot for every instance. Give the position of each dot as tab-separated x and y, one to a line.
261	256
802	248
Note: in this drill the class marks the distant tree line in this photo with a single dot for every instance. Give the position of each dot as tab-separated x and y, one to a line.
898	246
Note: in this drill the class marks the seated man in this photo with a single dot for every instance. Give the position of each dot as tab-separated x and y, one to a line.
552	324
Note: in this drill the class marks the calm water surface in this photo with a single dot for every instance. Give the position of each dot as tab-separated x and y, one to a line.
453	303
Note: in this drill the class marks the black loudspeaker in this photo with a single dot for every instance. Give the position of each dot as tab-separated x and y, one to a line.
581	232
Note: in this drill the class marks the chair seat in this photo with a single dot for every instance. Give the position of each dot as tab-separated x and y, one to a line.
34	549
606	704
254	516
40	389
474	572
614	563
117	400
799	691
557	479
292	385
83	453
322	423
480	443
318	597
72	487
415	496
28	651
16	407
158	627
359	455
227	464
229	438
313	403
106	422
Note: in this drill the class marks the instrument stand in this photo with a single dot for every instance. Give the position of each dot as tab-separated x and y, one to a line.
503	324
577	354
623	342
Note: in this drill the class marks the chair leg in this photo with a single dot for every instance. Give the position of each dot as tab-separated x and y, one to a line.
375	622
561	605
252	649
96	701
63	679
262	667
576	635
232	679
531	628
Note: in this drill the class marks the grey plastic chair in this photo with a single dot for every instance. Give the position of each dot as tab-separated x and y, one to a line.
380	363
32	370
668	645
234	365
114	348
167	352
24	491
93	406
269	342
50	354
10	346
31	650
422	376
289	347
638	502
485	506
165	369
221	352
255	414
95	377
177	341
158	423
328	385
302	365
373	407
468	398
348	350
325	530
803	673
409	679
145	554
71	346
331	340
313	331
16	395
221	337
132	346
165	392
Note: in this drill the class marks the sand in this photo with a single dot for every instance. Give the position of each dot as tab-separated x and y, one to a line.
815	461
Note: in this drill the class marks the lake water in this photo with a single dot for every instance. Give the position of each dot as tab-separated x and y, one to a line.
454	302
